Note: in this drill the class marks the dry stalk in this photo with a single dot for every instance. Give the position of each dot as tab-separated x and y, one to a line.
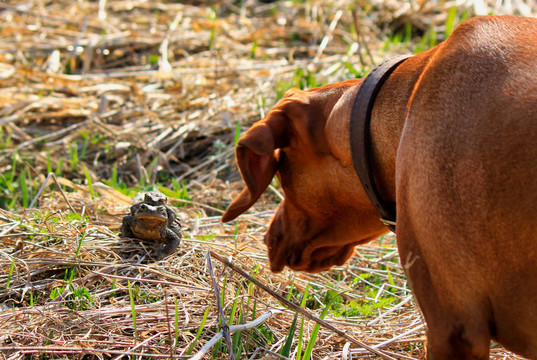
225	326
231	329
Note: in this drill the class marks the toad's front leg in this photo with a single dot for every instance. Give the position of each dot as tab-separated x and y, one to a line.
173	240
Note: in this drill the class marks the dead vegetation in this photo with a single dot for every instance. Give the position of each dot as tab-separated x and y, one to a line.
116	97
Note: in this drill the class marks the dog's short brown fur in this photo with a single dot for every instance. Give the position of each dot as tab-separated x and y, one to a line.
454	145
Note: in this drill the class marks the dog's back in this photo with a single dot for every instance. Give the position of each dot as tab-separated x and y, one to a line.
467	188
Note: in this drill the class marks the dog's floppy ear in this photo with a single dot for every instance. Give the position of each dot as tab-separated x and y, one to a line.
256	159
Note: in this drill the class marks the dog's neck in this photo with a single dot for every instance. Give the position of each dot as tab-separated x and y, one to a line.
388	119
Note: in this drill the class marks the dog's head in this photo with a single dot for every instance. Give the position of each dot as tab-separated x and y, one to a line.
304	142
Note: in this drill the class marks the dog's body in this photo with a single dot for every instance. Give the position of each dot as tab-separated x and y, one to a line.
453	144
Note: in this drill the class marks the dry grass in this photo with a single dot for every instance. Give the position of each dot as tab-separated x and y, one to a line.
117	97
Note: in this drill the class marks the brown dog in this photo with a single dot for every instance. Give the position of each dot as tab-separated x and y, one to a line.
454	146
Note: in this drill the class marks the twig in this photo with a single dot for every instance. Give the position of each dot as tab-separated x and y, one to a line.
55	134
328	36
101	14
164	64
232	328
225	326
50	175
360	39
301	310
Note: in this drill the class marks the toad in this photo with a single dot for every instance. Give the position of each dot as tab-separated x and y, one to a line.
153	220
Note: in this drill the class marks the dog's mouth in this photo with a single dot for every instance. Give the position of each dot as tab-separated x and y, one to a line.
310	245
310	260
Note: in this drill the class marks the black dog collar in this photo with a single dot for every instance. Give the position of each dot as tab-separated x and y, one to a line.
360	139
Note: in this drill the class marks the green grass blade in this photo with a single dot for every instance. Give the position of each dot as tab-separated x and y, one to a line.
236	338
89	181
223	294
450	21
10	273
286	349
198	333
84	148
408	33
14	165
301	332
49	162
24	190
73	156
234	307
432	37
254	309
254	48
133	310
237	133
305	296
79	245
114	176
313	337
390	278
300	340
59	168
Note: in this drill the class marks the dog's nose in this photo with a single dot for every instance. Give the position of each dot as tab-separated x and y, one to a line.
277	261
276	268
